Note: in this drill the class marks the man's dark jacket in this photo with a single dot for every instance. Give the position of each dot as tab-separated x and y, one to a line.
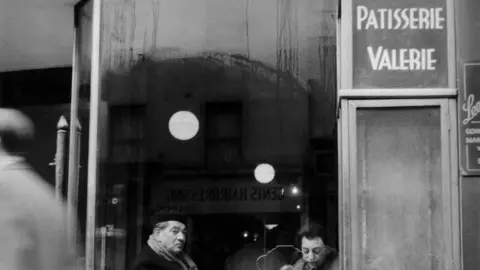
147	259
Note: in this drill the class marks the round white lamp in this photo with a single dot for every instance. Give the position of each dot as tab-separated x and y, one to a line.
264	173
183	125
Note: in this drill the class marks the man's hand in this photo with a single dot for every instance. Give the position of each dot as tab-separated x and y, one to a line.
286	267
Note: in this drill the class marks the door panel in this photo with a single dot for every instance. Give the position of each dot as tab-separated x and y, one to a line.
399	186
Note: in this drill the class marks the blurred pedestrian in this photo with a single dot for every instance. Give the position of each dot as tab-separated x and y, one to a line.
33	231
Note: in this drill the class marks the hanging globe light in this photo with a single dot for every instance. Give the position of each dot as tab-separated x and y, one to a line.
183	125
264	173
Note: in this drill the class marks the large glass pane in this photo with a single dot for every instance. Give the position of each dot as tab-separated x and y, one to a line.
197	95
400	222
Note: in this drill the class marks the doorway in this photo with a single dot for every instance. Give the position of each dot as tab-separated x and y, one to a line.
399	184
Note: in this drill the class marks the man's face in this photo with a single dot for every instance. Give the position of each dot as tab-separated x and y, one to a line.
173	237
313	250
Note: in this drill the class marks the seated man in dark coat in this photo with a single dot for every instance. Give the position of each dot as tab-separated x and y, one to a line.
164	249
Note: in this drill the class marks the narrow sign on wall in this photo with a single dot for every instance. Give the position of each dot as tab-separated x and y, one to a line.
470	120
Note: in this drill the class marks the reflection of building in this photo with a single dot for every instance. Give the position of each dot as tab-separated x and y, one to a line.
246	118
251	110
267	101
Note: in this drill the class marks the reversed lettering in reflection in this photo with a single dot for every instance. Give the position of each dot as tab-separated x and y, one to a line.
225	194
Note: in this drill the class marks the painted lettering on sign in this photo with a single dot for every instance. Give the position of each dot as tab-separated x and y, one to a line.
469	118
471	108
401	59
400	18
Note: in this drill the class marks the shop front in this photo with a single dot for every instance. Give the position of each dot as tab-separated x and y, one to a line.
399	171
235	112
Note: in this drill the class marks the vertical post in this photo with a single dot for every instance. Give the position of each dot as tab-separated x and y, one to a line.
103	247
140	212
73	176
71	227
62	128
78	128
264	220
93	146
246	28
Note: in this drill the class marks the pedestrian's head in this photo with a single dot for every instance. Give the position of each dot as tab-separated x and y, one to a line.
16	132
170	230
313	248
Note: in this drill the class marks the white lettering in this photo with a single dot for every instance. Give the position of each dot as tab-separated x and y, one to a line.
385	61
374	57
414	18
472	131
362	12
439	20
382	17
405	18
400	18
401	59
471	108
430	60
372	20
390	18
472	140
423	19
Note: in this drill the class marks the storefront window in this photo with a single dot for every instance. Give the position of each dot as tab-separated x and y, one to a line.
223	110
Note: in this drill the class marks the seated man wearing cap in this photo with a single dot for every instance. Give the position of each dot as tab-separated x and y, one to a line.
164	249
